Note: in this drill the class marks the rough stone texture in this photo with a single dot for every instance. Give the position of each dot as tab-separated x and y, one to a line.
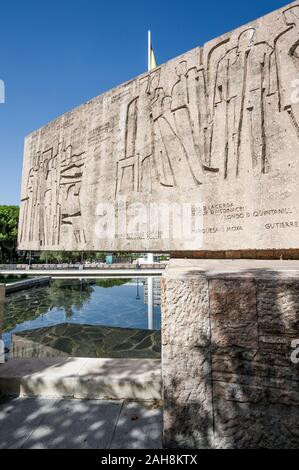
187	383
215	131
229	381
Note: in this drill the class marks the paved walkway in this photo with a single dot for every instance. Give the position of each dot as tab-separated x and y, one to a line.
36	423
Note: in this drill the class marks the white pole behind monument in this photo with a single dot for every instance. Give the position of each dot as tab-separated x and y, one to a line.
150	303
149	51
150	256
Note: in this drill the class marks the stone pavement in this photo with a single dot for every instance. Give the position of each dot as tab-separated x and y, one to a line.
36	423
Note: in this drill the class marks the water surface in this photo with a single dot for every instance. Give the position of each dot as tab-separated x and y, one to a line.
116	303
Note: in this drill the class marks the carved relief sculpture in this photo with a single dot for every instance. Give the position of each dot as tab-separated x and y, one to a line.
217	128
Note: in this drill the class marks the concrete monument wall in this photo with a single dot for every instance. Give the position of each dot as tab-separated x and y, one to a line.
230	354
200	154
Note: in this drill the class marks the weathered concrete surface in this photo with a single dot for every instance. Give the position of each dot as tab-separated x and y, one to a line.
229	375
27	284
90	273
214	131
31	423
132	379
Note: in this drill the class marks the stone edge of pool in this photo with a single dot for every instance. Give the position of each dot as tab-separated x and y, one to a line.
82	378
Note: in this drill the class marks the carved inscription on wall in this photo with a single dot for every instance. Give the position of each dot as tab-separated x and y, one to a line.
216	127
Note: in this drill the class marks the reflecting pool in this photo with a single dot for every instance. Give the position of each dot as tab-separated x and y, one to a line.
114	318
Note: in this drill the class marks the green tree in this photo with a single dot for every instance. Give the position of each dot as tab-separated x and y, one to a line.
25	306
9	216
106	283
59	257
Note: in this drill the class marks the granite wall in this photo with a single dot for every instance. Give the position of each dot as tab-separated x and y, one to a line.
230	370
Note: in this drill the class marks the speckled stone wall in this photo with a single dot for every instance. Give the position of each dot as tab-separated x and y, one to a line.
230	379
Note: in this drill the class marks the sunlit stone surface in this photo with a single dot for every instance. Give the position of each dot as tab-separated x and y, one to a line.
230	369
211	136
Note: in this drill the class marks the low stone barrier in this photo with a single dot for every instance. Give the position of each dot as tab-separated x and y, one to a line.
230	364
27	284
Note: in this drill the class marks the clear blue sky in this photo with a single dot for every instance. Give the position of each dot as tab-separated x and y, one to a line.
54	55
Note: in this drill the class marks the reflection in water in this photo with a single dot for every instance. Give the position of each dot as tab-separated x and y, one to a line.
150	307
156	291
101	302
152	297
68	339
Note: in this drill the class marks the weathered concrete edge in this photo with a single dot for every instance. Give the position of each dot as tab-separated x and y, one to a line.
17	380
225	269
27	284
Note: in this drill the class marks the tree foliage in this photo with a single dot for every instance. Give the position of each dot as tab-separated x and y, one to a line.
9	216
69	256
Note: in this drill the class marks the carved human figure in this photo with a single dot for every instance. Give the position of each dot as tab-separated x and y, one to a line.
189	106
184	127
46	219
287	57
259	84
243	79
198	107
131	128
34	188
172	161
165	175
227	101
48	201
71	173
40	213
127	167
143	149
26	208
147	163
56	208
136	169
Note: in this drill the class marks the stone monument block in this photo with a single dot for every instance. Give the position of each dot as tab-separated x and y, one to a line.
200	154
231	354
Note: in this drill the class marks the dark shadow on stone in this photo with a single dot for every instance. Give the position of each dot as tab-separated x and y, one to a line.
229	381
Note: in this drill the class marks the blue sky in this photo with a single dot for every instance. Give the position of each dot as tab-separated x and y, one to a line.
54	55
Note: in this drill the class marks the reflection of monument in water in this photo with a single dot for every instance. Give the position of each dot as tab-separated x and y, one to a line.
156	291
151	295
